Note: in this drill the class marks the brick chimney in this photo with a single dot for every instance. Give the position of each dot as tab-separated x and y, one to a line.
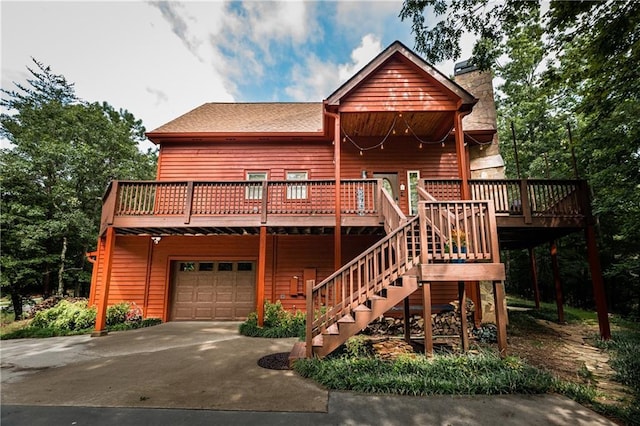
486	163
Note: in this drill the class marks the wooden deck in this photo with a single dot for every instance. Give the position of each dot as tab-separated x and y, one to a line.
528	212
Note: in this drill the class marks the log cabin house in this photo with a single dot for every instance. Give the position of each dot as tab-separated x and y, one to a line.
389	195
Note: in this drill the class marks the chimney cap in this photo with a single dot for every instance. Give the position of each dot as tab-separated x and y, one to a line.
464	67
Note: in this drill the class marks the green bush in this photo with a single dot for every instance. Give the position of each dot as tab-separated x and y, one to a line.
117	314
277	323
66	316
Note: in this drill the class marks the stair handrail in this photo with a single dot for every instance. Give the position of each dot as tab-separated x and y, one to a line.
392	216
395	243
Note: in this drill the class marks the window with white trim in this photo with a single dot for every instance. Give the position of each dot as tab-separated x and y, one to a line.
254	191
297	192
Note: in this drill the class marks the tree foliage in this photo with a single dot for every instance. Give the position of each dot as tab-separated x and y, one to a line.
570	68
63	153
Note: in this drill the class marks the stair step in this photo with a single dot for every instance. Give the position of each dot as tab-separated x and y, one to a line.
362	308
347	319
317	341
299	351
332	329
376	297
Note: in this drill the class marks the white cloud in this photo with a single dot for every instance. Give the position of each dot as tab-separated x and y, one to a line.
315	80
370	46
124	53
277	21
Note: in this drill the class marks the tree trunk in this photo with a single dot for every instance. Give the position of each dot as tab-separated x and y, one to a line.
63	255
16	300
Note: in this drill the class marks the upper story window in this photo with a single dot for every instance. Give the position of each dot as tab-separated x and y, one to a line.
297	192
254	192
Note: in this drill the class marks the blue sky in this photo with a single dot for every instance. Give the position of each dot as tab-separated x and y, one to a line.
162	59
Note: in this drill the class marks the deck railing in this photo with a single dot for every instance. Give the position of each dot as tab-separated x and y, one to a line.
518	197
458	232
192	198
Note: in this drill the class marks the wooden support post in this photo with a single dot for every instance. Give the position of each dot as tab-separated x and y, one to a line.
147	278
310	314
461	154
598	283
501	316
556	280
524	201
407	320
95	271
262	263
462	307
337	237
101	314
428	331
188	203
534	276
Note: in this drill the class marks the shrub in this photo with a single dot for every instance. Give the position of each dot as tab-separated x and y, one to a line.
277	323
484	373
71	316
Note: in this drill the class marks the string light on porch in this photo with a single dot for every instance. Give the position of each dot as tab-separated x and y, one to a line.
380	144
482	144
408	130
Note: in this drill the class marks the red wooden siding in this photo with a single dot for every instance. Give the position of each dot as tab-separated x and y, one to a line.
399	86
231	161
128	272
287	256
400	156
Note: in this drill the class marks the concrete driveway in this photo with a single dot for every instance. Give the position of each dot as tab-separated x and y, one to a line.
159	375
203	365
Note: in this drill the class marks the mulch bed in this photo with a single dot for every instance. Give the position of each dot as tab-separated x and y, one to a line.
279	361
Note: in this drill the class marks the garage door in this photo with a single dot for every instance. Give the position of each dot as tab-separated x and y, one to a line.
213	290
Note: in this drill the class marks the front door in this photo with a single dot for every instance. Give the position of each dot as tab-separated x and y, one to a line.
390	183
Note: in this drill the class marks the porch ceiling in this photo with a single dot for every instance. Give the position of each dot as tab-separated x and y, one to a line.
426	125
250	230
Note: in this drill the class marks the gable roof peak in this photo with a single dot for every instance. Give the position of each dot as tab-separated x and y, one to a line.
398	48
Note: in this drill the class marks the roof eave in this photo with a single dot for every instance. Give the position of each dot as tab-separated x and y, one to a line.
160	137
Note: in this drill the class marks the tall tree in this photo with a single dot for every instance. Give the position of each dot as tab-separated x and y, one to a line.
575	65
63	153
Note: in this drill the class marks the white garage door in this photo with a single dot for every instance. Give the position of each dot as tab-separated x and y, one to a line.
213	290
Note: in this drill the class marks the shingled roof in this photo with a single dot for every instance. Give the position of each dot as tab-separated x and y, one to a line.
247	118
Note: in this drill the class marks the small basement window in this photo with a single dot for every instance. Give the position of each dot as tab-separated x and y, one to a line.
225	266
245	266
187	266
205	266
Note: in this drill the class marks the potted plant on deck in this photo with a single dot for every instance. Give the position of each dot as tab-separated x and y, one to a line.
458	244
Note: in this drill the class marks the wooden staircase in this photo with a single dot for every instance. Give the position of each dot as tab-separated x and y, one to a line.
351	324
418	249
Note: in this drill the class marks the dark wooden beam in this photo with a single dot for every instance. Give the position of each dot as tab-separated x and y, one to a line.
501	316
428	331
534	276
597	281
462	302
407	318
556	280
